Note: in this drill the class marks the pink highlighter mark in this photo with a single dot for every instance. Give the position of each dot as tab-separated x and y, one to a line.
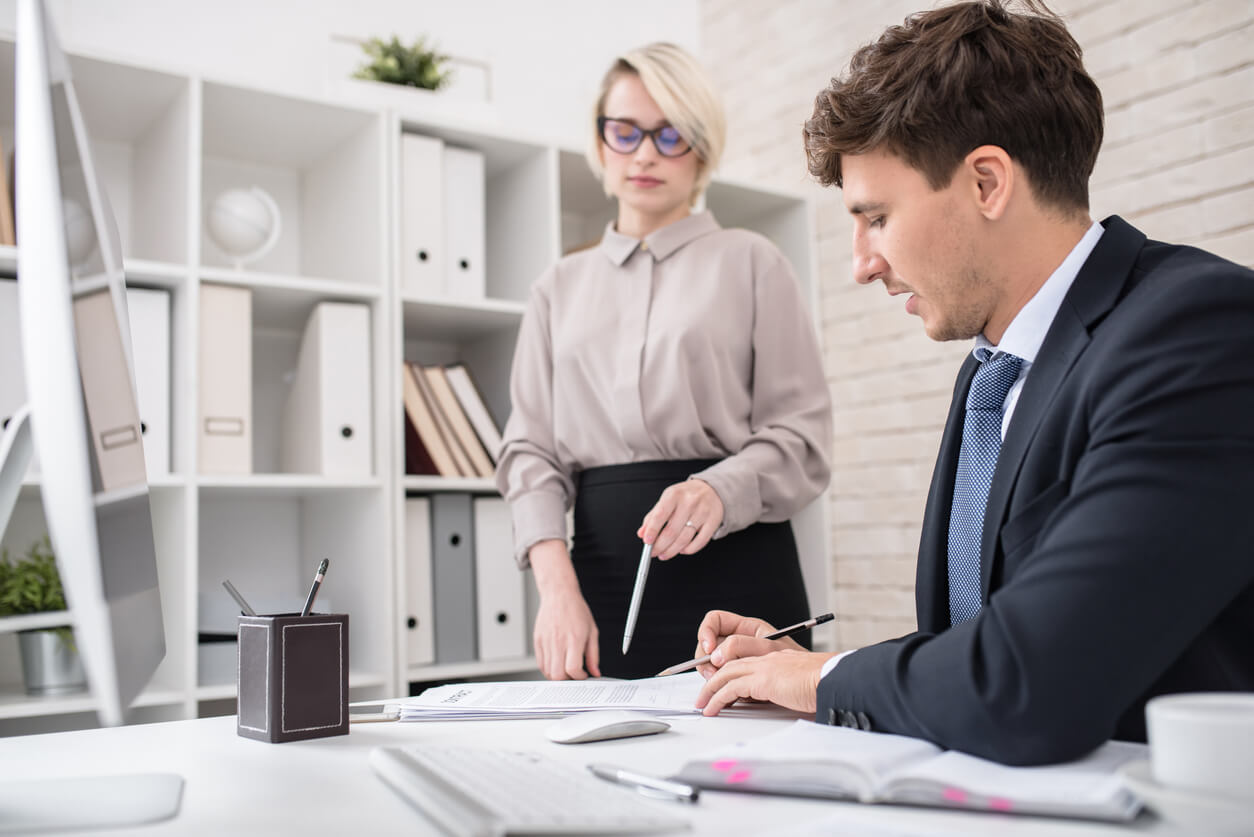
737	777
998	803
954	795
724	765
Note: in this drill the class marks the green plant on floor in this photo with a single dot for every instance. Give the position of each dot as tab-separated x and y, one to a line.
395	63
31	584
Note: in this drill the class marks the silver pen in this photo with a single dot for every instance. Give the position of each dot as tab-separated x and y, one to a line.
648	785
637	593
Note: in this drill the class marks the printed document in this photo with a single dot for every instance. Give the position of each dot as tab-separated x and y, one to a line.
674	695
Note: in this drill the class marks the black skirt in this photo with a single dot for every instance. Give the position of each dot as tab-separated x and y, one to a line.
753	572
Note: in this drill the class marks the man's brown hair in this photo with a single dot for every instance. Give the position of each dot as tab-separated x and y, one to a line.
952	79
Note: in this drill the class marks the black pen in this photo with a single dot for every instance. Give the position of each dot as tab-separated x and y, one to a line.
239	600
648	785
780	634
313	591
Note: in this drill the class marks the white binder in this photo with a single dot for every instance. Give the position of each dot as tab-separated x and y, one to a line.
464	215
419	612
326	417
12	368
422	216
112	413
149	315
225	418
500	586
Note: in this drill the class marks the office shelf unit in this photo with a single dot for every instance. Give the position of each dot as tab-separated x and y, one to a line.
167	144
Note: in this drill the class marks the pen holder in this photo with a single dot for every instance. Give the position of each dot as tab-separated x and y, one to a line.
293	676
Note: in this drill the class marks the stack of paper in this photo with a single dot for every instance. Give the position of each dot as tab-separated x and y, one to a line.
539	698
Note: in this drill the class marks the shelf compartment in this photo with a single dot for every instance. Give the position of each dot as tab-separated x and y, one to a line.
322	163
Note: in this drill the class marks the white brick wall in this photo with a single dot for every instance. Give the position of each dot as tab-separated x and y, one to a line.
1177	79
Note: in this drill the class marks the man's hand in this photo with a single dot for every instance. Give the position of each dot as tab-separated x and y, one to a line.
789	678
729	636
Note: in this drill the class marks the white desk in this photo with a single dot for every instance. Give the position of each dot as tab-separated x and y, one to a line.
240	786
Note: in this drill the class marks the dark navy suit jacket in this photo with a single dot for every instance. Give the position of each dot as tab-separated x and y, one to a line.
1117	560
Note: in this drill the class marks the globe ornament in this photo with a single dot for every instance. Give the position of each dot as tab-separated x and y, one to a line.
80	233
244	224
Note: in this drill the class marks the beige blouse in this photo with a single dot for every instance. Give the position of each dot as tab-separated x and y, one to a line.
691	344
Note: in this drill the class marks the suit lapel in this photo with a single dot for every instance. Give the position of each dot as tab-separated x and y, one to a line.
1097	288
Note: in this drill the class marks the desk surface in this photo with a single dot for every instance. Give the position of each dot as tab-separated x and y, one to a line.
241	786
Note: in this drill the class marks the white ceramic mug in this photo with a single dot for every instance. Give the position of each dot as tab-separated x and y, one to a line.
1204	742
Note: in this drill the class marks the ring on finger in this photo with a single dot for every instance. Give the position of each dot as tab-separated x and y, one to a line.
693	525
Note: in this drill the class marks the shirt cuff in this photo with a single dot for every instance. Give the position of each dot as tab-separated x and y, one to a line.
831	664
738	490
538	516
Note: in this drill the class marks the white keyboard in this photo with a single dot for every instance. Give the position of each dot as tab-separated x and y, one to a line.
496	792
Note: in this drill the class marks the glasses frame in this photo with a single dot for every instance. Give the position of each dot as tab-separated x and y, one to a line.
650	134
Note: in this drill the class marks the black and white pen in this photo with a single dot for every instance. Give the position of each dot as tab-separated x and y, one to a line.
780	634
648	785
313	591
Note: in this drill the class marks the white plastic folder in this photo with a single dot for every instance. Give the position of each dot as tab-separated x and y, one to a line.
500	587
225	427
112	417
149	314
327	417
422	216
539	698
419	606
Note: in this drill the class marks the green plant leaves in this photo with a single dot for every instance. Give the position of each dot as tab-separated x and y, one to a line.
30	584
394	63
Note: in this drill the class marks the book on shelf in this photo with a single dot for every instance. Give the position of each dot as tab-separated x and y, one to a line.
472	402
8	233
448	404
461	460
426	431
816	760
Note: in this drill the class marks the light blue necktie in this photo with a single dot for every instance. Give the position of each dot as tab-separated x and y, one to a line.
981	442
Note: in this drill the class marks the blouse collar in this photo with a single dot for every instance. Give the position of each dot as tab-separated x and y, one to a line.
661	243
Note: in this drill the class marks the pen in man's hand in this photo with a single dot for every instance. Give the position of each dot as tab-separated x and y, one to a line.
648	785
313	591
780	634
244	607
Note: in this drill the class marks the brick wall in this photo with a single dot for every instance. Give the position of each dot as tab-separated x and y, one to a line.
1178	161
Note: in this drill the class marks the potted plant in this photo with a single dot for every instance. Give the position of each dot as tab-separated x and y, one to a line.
31	584
392	62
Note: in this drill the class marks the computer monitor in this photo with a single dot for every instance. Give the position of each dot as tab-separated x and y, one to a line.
83	412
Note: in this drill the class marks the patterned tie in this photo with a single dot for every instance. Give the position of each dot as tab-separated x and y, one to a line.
981	442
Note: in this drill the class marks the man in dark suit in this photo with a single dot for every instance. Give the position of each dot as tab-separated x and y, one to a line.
1088	541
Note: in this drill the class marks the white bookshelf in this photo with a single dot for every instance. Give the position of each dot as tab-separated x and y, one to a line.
167	144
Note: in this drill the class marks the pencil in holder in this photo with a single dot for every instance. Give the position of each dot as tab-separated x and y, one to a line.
293	676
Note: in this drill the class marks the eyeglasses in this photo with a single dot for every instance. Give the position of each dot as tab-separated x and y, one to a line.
625	137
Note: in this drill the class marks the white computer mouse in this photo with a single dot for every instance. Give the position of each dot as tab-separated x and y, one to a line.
603	724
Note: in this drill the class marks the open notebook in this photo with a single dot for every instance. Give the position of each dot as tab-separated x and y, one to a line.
809	759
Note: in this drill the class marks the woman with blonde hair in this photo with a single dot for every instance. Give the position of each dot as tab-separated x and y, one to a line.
667	383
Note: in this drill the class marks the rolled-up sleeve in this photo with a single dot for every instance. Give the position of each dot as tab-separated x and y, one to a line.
784	463
528	473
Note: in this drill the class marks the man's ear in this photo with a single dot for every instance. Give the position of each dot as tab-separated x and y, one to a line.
992	177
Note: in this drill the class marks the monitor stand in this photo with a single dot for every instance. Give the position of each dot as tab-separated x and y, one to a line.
81	801
39	805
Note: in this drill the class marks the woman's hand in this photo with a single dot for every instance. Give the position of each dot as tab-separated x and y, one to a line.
684	519
565	633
